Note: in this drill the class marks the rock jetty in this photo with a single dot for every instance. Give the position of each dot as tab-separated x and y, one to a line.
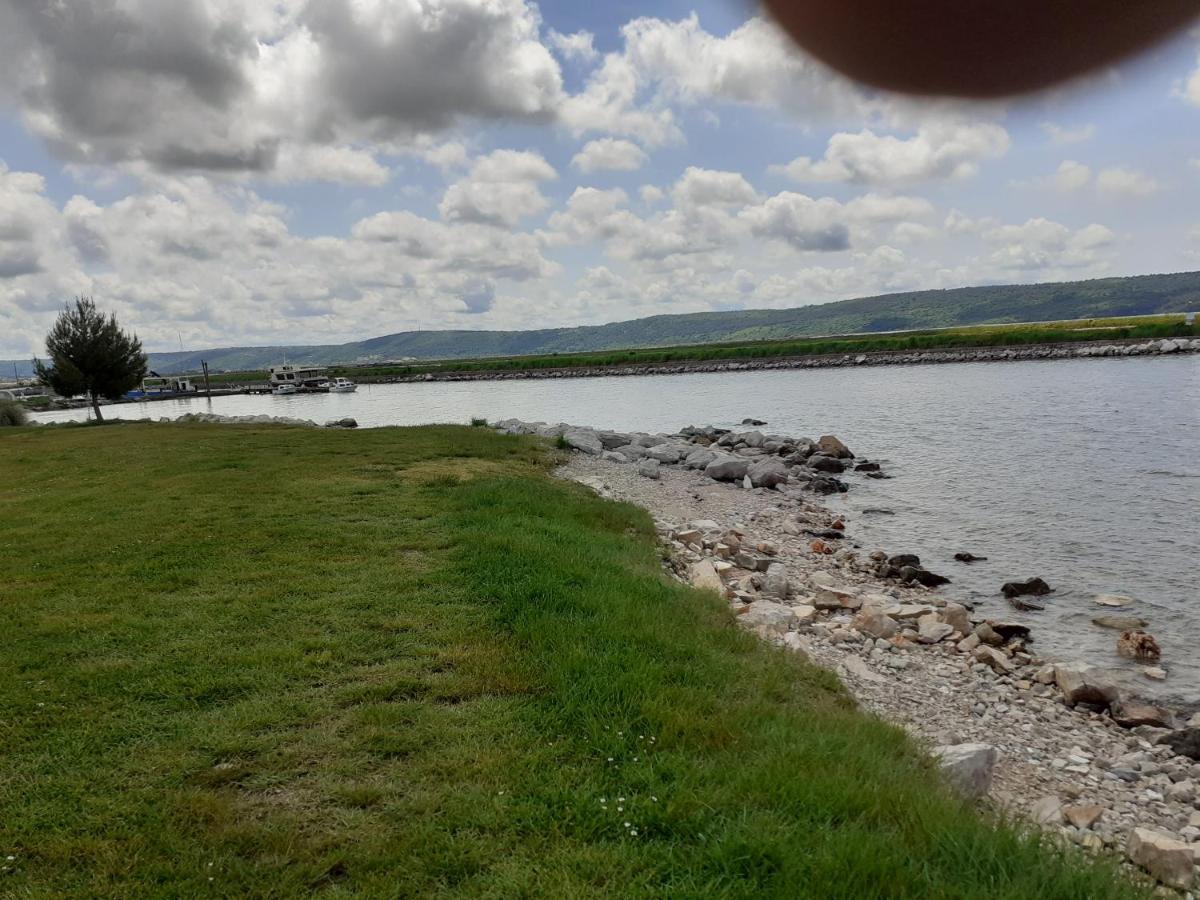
824	361
740	513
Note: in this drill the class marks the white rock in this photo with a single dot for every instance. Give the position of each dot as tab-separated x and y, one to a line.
968	767
1170	861
705	577
1047	811
933	632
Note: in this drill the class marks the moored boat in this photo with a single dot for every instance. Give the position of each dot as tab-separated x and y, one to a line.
342	385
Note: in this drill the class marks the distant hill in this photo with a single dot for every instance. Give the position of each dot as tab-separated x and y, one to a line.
1126	296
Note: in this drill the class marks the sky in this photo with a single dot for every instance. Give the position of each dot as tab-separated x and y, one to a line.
226	172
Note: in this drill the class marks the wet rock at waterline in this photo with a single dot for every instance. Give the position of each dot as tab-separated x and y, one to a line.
969	557
1034	587
1120	623
1138	645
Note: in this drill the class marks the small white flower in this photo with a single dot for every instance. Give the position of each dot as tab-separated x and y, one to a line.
620	799
610	759
634	832
653	798
626	824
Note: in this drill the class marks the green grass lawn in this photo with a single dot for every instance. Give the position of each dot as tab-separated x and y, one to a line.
269	661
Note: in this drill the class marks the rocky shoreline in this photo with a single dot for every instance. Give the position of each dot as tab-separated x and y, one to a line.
1056	742
1085	350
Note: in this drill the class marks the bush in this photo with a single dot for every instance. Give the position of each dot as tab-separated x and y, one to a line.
561	442
12	413
478	423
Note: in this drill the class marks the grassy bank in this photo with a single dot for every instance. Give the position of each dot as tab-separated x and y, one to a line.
1139	328
252	661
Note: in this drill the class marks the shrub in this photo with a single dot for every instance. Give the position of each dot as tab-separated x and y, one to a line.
478	423
12	413
561	443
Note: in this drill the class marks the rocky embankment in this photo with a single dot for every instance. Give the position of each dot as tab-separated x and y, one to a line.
823	361
1054	741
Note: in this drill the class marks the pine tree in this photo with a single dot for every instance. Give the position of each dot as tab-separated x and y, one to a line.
90	354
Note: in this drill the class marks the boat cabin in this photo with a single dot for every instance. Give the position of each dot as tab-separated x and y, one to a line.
304	378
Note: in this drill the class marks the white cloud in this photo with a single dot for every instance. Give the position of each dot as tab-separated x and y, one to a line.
651	194
501	189
609	154
1041	244
1124	182
346	165
609	104
574	46
225	87
801	222
1061	136
706	187
937	151
1070	176
754	64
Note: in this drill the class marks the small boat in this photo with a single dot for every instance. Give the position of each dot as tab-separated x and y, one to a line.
282	390
341	385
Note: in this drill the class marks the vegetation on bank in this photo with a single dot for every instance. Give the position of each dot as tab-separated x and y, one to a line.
965	338
256	660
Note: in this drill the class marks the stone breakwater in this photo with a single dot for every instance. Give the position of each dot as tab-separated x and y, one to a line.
1055	742
823	361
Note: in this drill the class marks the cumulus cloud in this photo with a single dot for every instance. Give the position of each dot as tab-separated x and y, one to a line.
754	64
707	187
225	87
501	189
801	222
1042	244
936	151
609	154
1124	183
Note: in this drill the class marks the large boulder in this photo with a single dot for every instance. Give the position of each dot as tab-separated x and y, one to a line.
827	484
831	446
705	577
699	459
871	620
956	616
1081	683
664	453
584	441
753	438
611	440
1185	742
649	468
727	468
767	616
767	472
631	452
1169	860
968	767
775	583
823	463
1130	715
1035	587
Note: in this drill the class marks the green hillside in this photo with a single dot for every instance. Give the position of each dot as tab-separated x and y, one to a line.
996	304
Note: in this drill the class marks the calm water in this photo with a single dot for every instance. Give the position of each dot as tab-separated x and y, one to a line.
1085	472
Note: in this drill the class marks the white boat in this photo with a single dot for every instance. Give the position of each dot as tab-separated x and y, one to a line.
303	379
341	385
282	390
